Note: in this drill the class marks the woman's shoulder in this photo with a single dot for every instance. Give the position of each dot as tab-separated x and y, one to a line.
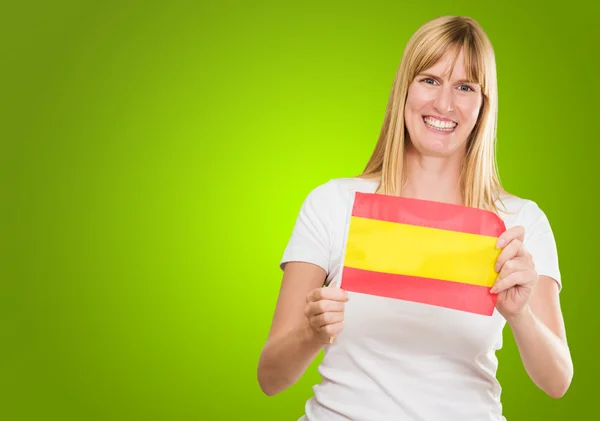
512	203
518	210
354	184
340	190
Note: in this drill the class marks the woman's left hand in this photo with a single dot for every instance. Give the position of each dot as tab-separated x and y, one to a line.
517	276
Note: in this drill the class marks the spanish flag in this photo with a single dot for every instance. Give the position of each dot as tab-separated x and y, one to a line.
422	251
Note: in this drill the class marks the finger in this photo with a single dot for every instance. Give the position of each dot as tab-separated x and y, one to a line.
514	265
506	283
325	319
514	233
516	278
509	252
323	306
334	294
328	293
333	329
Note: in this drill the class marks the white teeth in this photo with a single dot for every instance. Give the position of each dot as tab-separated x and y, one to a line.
440	125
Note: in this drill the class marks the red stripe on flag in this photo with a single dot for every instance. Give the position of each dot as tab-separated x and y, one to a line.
426	213
454	295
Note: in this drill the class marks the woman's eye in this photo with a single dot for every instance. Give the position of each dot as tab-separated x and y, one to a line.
429	80
465	88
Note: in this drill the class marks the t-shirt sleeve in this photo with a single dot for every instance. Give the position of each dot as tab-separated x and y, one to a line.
540	242
310	240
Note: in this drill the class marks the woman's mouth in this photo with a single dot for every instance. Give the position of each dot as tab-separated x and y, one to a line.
439	125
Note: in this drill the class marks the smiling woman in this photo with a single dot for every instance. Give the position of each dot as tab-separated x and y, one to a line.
442	91
399	360
445	85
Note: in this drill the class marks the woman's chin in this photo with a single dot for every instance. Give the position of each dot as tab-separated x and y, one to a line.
438	148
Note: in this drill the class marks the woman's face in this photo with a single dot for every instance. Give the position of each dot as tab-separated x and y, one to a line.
440	113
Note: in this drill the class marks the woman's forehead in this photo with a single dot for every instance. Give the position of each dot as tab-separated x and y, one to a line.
453	64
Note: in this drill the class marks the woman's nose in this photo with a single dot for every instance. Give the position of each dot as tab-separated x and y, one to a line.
444	101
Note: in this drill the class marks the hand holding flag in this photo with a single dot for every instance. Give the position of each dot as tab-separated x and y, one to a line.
325	312
517	275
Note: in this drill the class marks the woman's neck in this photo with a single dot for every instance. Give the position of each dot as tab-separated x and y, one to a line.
433	178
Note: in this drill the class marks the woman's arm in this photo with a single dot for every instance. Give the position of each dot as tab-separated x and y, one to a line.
292	344
539	333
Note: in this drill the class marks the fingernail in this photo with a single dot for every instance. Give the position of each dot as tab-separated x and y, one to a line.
493	290
497	267
501	242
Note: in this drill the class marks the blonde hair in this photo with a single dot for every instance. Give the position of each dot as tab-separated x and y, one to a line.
480	183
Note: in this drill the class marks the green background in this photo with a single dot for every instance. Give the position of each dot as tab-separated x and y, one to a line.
154	158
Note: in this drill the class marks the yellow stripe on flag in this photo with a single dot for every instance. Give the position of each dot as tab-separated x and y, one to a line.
412	250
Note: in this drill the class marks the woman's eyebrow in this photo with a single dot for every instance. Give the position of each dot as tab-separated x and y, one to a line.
429	75
471	81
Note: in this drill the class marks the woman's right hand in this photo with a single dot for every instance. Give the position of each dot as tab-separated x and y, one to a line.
325	313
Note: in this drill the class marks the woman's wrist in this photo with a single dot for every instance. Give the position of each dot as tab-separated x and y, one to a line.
309	337
523	318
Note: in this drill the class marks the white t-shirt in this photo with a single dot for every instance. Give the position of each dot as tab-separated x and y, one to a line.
398	360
